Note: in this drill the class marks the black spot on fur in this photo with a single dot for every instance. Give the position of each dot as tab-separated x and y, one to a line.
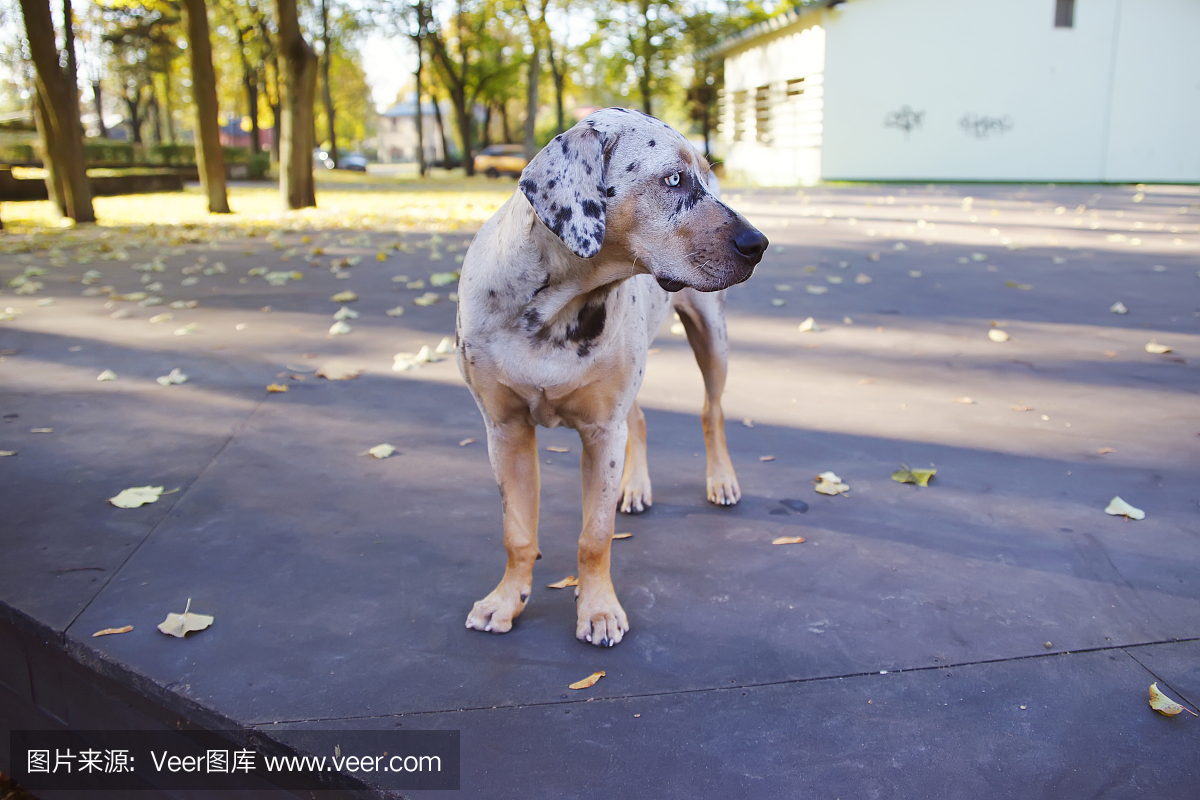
587	168
566	151
588	324
612	464
591	208
491	292
651	143
532	318
529	187
610	191
539	289
631	166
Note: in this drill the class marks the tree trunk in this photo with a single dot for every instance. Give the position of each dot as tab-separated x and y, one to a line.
462	115
531	101
437	115
418	114
298	89
168	112
154	112
134	104
504	126
69	46
487	126
250	84
63	137
326	59
99	109
54	187
210	160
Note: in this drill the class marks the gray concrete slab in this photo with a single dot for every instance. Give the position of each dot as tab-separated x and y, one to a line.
340	583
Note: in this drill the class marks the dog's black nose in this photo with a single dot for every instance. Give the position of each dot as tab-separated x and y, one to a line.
751	244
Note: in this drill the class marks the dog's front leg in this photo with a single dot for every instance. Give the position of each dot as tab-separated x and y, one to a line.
600	618
512	447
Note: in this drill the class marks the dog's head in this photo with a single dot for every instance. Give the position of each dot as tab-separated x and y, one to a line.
625	180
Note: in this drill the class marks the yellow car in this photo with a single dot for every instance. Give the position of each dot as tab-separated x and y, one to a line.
501	159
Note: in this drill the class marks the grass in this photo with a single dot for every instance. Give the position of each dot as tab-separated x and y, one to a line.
446	201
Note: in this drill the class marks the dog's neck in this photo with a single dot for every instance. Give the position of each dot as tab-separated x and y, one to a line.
560	284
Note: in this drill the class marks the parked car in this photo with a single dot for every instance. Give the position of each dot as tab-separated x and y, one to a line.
355	162
501	159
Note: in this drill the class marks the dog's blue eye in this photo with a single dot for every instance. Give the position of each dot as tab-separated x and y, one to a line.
673	180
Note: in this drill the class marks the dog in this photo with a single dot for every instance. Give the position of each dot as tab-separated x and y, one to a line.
561	292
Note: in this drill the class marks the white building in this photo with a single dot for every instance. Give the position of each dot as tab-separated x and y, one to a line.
397	137
1038	90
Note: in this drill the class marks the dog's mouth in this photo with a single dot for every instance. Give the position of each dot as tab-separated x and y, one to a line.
669	284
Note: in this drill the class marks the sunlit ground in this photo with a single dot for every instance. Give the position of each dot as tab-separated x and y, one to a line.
393	201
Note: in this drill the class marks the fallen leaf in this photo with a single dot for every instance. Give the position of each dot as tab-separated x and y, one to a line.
339	328
345	312
677	329
1106	450
1015	285
347	296
41	430
622	535
966	401
181	625
816	289
417	284
914	273
556	449
137	496
382	450
809	326
175	377
466	442
1157	349
1119	508
1020	408
1110	353
7	453
335	372
766	458
918	476
443	278
395	312
427	299
1118	308
789	540
748	423
445	346
158	318
589	681
778	301
107	375
186	330
111	631
570	580
863	279
1165	705
830	484
997	335
783	287
978	257
277	387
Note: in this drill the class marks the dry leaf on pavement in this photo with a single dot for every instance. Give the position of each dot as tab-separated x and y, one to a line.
175	377
556	449
466	442
1119	508
570	580
344	297
830	484
589	681
789	540
107	375
1165	705
334	372
181	625
1157	349
111	631
137	496
382	450
622	535
997	335
277	387
918	476
339	328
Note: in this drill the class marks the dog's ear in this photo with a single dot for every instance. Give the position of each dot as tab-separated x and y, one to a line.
565	185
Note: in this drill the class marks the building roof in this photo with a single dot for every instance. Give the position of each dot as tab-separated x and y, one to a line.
767	26
408	109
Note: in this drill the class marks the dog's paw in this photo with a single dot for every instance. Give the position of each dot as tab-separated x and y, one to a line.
496	612
602	623
635	496
723	489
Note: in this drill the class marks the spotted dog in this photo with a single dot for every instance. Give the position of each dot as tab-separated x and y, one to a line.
561	292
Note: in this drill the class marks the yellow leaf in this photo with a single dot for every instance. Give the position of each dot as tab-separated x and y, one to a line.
344	297
277	387
570	580
107	375
789	540
556	449
334	372
427	299
997	335
136	496
830	484
809	326
110	631
918	476
622	535
181	625
442	279
1119	508
339	328
589	681
1106	450
466	442
1165	705
382	450
1157	349
766	458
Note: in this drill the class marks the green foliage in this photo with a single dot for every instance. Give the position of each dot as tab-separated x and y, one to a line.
17	154
175	155
105	151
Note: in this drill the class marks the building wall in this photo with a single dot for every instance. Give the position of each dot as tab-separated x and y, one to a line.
397	139
983	90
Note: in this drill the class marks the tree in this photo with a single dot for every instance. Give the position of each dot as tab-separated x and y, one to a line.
58	116
297	94
210	160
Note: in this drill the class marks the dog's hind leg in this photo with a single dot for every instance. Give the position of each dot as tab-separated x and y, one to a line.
512	448
703	318
635	481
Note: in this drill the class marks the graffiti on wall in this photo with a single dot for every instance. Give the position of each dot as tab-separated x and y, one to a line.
981	126
906	119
